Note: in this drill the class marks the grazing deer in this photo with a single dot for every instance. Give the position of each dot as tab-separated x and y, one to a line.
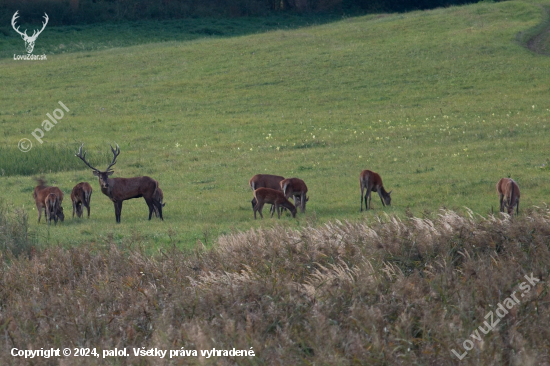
508	191
274	197
29	41
80	196
51	204
297	189
41	191
159	196
122	189
265	181
373	183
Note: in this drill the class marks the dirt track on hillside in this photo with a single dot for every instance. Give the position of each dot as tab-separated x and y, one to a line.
539	42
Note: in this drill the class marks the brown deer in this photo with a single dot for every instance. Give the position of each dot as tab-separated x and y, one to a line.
265	181
159	196
508	191
296	188
41	191
80	196
372	182
51	204
274	197
122	189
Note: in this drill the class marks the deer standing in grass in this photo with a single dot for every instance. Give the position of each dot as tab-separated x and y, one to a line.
41	192
51	204
508	191
372	182
265	181
80	196
274	197
122	189
296	188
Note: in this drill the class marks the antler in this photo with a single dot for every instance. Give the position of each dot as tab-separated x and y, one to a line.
13	19
24	34
43	26
83	158
116	152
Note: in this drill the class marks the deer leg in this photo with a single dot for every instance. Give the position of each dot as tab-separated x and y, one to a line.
303	202
260	207
362	188
151	207
118	210
368	196
39	214
74	209
501	197
158	209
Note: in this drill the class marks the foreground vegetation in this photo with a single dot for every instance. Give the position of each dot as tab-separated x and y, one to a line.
390	292
441	103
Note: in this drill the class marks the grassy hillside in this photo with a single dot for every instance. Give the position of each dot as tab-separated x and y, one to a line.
442	103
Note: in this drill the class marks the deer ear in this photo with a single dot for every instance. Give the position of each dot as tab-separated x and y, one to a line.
110	173
96	173
390	192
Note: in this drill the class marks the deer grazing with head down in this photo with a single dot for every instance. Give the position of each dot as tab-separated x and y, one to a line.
274	197
80	196
372	182
296	188
265	181
508	191
40	194
51	204
29	41
159	196
122	189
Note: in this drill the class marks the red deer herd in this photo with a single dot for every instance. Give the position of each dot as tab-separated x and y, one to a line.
272	189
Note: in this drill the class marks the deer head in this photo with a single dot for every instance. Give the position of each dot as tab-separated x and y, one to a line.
29	41
102	175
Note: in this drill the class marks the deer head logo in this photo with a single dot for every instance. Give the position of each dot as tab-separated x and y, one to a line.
29	41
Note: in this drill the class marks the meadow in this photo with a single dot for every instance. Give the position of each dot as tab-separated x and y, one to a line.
442	103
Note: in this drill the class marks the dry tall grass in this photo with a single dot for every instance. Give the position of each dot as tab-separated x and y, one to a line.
393	292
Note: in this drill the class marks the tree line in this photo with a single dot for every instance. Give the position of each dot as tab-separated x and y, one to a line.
65	12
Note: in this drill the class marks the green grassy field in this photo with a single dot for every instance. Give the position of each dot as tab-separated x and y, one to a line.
441	103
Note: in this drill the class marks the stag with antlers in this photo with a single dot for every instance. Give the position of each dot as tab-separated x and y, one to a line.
29	41
122	189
